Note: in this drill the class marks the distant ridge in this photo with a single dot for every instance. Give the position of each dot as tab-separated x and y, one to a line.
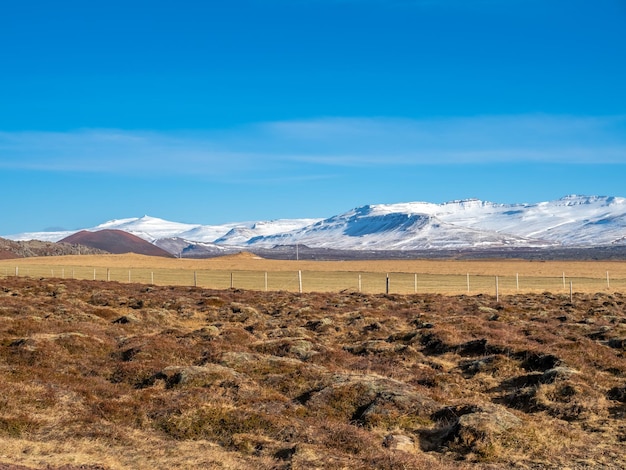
572	222
10	249
116	242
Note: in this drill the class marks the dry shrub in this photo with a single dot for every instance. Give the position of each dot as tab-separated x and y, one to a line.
347	439
298	385
18	425
570	401
341	402
218	424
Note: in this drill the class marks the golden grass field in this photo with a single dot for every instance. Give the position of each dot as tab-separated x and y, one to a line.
247	271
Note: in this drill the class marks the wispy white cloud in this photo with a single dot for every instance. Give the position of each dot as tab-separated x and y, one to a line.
118	151
482	139
292	147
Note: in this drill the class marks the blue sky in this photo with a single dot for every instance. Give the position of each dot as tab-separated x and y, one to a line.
212	111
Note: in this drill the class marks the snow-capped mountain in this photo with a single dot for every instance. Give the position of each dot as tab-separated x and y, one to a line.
146	227
378	228
242	234
153	229
572	221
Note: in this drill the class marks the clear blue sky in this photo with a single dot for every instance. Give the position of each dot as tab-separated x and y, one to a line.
218	111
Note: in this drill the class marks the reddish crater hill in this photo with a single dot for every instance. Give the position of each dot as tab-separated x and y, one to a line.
117	242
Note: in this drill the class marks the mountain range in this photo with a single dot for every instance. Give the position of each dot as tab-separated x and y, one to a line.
572	221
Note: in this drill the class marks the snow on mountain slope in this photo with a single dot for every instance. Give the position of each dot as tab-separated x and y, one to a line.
571	220
241	235
209	233
146	227
577	220
565	221
391	227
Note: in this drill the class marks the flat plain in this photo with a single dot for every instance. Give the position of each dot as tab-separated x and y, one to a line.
248	271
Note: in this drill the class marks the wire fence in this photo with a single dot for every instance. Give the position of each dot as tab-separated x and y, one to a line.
328	281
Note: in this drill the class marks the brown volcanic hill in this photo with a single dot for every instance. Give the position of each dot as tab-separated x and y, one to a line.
116	242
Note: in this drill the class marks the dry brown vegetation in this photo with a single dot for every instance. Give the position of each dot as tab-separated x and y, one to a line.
106	375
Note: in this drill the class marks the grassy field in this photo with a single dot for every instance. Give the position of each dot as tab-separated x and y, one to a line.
247	271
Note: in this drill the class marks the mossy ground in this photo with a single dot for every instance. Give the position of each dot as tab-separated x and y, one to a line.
113	376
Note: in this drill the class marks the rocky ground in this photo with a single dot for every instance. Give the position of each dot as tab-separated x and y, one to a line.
25	249
107	376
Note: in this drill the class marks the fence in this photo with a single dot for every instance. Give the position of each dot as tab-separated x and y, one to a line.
329	281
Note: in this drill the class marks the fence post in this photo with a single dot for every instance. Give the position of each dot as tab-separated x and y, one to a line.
195	279
497	291
300	281
516	281
129	275
108	274
359	283
415	289
94	274
387	284
151	277
468	284
563	280
231	280
17	270
608	285
571	291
